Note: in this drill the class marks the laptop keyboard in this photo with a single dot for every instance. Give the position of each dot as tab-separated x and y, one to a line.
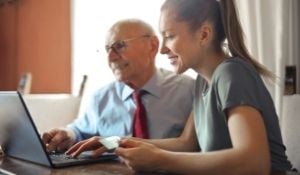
61	157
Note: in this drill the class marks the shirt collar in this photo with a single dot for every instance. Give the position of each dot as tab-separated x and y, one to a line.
152	87
126	93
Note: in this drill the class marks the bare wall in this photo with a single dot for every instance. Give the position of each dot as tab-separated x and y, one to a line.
38	42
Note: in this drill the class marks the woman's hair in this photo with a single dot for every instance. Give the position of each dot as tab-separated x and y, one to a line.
223	16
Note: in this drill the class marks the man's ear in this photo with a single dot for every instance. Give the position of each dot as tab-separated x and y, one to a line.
154	43
205	33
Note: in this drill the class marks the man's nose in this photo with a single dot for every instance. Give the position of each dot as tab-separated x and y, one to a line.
112	54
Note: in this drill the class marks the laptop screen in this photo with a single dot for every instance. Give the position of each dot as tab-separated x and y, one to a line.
19	136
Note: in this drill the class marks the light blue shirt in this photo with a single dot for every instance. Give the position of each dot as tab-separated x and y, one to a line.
168	103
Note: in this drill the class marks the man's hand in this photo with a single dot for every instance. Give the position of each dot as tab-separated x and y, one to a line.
87	145
58	139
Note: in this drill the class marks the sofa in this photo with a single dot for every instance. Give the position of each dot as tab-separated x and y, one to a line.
52	110
290	127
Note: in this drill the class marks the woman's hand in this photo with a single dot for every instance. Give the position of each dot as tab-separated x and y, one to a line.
140	156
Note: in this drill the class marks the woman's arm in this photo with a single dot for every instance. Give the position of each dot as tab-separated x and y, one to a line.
186	142
249	155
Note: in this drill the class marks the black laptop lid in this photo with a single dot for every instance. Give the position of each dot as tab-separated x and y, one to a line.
20	139
18	134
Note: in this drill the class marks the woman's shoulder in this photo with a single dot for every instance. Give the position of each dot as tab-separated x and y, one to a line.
236	71
234	66
235	62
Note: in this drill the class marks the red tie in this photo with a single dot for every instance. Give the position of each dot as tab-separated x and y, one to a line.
140	127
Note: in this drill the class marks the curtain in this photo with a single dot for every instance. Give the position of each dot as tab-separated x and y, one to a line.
295	27
269	28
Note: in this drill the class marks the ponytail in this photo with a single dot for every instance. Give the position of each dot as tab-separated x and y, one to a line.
234	34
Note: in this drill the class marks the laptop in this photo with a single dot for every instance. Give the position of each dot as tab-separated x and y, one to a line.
20	139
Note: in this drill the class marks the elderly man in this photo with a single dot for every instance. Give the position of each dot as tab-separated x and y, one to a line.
165	98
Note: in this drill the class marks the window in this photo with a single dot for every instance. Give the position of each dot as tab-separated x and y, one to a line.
90	22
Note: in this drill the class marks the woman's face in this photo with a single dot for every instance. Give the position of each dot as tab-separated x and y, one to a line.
179	43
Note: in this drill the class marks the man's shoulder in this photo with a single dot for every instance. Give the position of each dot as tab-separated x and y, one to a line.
110	88
169	76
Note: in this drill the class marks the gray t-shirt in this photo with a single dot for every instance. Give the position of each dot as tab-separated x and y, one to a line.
235	83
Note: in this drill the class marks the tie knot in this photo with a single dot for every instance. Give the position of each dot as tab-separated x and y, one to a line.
137	94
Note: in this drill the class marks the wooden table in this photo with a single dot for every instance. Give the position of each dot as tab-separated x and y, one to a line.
107	168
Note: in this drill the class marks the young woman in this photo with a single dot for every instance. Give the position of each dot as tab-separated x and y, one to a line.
234	128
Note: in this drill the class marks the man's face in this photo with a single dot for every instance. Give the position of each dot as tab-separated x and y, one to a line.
129	53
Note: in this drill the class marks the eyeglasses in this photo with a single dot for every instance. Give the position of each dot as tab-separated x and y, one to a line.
120	46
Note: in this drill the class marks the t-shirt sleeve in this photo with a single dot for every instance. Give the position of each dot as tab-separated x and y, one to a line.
236	85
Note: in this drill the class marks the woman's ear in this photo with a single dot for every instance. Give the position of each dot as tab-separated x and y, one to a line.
205	33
